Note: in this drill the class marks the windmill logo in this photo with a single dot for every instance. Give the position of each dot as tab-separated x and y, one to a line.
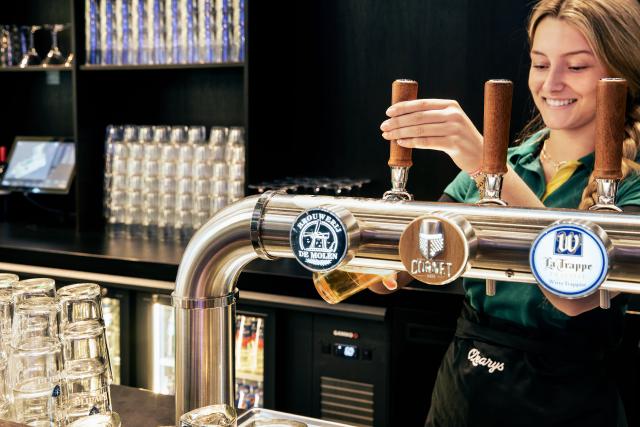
318	240
431	238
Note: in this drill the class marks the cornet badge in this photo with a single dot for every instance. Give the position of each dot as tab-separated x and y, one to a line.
435	248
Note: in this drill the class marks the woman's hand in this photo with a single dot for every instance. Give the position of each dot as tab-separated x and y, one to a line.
436	124
391	283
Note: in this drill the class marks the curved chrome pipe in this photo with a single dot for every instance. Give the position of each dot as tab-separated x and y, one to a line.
259	227
205	307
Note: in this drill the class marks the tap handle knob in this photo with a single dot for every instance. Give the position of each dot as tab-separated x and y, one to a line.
611	102
401	90
498	95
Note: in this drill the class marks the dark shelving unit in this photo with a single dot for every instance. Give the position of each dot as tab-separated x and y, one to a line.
91	67
81	100
34	69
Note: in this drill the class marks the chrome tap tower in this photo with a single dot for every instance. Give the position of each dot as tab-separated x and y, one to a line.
260	227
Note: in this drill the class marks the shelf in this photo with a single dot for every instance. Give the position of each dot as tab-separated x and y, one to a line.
161	67
34	69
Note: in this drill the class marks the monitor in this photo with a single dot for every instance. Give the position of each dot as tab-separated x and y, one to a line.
40	165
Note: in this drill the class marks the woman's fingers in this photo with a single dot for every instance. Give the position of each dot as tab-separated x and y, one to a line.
417	118
432	142
407	107
390	282
420	131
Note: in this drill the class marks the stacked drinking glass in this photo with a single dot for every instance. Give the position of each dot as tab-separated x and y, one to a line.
87	369
166	182
235	159
54	362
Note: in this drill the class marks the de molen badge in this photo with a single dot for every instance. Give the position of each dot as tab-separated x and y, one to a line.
436	248
323	239
571	259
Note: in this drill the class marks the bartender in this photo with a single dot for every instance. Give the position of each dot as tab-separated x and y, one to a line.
525	357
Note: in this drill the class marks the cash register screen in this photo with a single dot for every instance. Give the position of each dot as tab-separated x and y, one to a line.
40	165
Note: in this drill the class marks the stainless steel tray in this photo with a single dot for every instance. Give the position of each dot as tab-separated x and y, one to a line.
258	414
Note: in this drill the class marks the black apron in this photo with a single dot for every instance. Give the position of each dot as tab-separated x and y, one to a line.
497	374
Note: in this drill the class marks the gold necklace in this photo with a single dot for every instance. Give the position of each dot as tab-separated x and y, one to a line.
554	164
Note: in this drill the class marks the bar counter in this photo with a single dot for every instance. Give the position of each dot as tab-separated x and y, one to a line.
136	407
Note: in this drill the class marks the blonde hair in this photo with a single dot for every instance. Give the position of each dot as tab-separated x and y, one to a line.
612	29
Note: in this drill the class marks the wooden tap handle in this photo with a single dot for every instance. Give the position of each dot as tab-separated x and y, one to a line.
401	90
611	104
498	95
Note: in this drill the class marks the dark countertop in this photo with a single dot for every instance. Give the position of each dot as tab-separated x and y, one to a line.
98	252
139	407
136	407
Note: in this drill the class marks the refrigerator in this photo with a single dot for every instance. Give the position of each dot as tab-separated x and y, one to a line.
155	355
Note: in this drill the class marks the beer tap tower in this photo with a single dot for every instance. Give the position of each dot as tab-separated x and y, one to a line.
611	99
498	95
260	227
400	157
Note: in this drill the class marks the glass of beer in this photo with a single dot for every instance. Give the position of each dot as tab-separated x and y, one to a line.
338	285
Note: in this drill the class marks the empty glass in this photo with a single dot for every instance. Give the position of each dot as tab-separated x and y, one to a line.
84	347
35	367
7	280
5	391
86	392
111	419
236	171
35	317
31	57
219	170
6	310
214	415
24	289
218	135
218	187
54	56
80	301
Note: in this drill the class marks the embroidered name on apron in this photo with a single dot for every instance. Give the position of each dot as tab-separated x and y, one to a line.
477	359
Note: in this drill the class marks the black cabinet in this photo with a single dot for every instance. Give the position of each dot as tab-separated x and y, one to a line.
80	101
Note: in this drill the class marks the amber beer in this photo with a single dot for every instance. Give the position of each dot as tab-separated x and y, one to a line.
340	284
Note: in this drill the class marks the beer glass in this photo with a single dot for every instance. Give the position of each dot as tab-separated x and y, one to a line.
86	392
209	416
81	301
29	288
338	285
84	346
6	312
35	318
7	280
35	367
111	419
5	394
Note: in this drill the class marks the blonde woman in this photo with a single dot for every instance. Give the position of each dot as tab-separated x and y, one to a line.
524	357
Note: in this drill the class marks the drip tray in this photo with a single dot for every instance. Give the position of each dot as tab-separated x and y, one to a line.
258	417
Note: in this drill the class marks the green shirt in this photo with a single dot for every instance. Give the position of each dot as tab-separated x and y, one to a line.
520	303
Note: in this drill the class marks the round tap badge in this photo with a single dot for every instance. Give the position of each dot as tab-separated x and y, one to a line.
320	238
435	248
570	259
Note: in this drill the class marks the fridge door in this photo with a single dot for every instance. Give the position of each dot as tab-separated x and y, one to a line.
155	355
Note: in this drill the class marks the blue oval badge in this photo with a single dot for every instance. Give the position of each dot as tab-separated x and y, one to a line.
318	240
569	260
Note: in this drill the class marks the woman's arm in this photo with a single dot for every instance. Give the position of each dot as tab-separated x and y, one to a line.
441	124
